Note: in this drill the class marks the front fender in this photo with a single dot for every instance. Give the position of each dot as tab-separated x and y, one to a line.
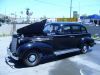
37	46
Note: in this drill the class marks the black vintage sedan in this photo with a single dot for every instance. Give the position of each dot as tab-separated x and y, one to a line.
36	40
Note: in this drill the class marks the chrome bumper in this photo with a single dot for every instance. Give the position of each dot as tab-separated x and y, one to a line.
11	55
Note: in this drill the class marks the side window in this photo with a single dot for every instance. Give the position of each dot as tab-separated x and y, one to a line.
66	29
52	29
48	29
83	30
76	29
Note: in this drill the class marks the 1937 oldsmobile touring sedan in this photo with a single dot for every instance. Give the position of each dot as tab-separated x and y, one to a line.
41	38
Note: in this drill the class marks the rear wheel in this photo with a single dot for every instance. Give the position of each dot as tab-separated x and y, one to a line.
31	58
84	49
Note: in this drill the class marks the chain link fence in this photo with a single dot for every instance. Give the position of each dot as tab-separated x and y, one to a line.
8	29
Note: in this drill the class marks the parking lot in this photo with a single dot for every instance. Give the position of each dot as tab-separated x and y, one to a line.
68	64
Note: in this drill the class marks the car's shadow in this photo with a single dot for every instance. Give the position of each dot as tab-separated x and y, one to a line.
17	64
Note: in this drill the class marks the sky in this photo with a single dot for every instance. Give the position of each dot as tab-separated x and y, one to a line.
49	8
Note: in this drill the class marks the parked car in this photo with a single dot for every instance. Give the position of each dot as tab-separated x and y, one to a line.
41	38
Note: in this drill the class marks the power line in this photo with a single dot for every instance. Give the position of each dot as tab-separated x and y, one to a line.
49	3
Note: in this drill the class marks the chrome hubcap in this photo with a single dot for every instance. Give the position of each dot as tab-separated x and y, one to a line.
32	58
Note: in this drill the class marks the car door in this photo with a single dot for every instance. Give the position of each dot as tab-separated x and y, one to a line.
67	36
60	36
75	36
56	38
62	39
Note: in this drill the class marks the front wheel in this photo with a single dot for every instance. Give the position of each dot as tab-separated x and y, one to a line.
84	49
31	58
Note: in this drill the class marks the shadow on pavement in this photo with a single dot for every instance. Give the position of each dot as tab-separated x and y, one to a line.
46	59
67	67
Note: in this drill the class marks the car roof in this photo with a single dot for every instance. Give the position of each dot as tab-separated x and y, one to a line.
66	23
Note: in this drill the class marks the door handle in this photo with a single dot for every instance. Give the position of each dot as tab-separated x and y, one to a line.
72	36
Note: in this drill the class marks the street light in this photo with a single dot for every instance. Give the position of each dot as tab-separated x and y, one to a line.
28	16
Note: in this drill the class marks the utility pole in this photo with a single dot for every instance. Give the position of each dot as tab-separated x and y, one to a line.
70	8
79	8
13	23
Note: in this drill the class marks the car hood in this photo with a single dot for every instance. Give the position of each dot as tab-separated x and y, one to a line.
32	29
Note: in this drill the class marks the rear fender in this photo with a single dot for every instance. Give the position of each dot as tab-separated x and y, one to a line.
86	41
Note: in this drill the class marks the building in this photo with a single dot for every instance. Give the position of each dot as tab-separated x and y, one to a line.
94	19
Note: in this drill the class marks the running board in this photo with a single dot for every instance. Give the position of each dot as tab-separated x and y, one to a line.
65	51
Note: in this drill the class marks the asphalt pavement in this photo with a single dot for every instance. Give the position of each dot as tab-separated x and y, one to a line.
67	64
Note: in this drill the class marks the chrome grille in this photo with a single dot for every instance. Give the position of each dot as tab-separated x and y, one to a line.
14	45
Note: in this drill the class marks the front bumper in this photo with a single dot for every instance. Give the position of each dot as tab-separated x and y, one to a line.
11	55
